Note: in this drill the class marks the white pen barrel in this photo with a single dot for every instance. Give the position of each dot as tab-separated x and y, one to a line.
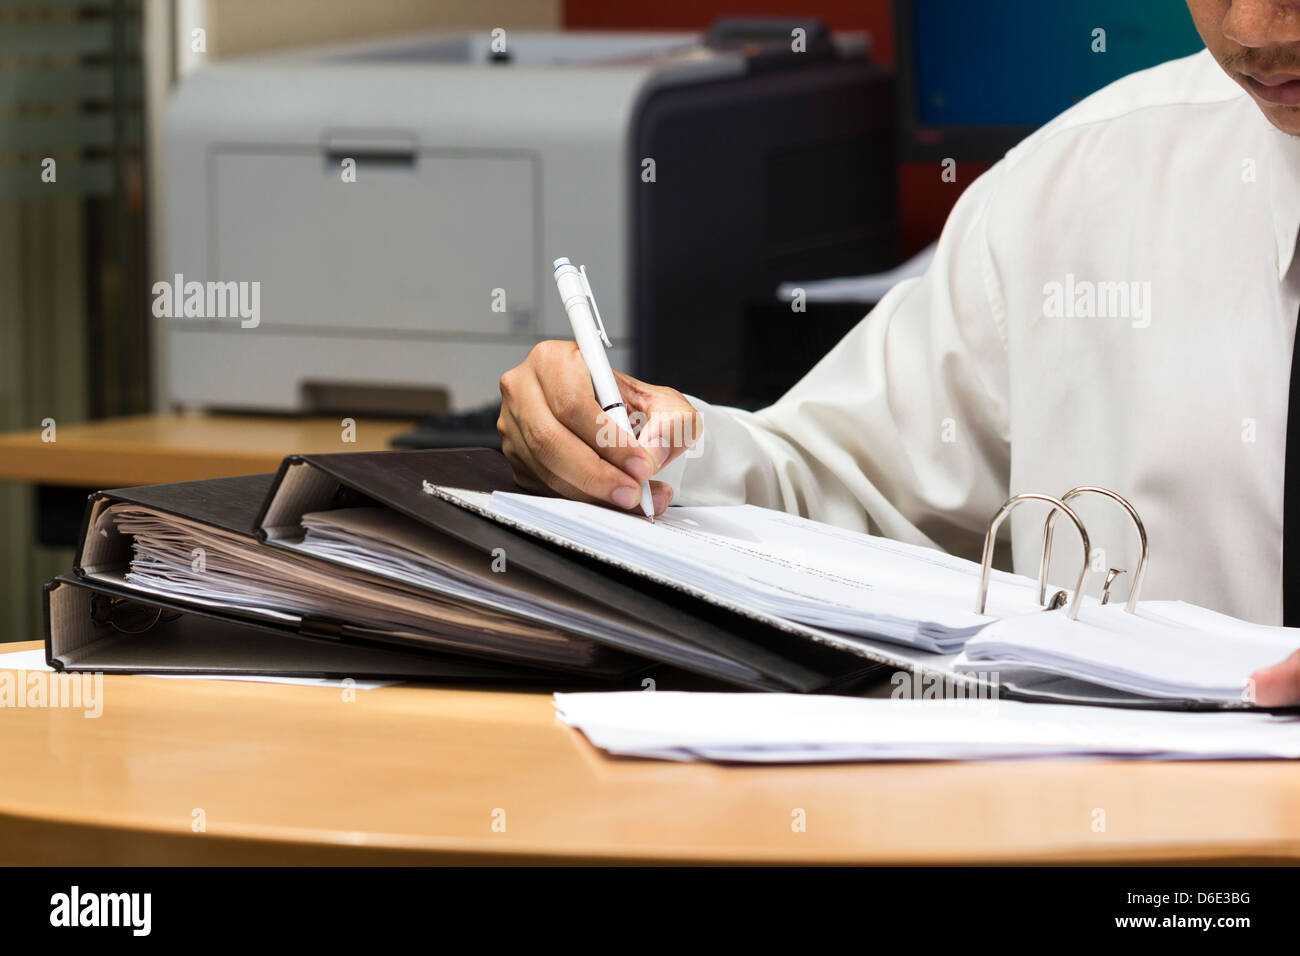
573	294
619	414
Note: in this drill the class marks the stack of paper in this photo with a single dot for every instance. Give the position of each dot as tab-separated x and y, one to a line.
789	569
781	565
442	592
382	542
180	558
1166	649
795	728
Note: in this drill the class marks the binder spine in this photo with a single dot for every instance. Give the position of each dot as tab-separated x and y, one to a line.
88	517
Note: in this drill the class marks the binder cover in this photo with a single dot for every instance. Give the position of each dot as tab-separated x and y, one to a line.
692	634
683	626
232	504
100	627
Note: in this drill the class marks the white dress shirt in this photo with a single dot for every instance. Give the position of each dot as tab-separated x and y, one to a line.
1015	364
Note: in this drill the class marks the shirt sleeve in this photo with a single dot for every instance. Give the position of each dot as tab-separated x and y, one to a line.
901	429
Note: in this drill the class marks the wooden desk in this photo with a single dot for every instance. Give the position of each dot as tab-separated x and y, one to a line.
148	449
295	775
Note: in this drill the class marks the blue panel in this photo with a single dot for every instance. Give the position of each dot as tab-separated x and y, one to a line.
1021	62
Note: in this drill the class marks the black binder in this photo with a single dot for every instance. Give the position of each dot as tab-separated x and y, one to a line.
394	479
94	621
232	505
702	639
97	620
91	626
793	657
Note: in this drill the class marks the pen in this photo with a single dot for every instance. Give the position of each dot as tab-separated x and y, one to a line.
589	331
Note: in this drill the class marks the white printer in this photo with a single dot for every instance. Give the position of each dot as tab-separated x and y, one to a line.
398	203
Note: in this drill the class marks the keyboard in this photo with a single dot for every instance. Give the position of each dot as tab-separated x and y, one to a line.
475	428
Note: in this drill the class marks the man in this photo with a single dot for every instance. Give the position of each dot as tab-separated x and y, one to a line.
1113	304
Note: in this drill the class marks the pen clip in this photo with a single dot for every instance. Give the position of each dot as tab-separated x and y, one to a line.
595	309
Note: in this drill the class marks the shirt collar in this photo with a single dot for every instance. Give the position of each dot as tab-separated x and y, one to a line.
1284	194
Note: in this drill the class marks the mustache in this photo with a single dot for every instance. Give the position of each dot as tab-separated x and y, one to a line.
1252	61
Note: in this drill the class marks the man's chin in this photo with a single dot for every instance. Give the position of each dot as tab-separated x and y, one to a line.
1285	118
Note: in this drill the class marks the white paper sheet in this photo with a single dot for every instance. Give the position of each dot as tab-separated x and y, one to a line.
764	728
384	543
1166	649
237	572
784	566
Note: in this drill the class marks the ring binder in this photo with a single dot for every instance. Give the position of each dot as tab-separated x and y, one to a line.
1046	557
125	616
1111	575
990	537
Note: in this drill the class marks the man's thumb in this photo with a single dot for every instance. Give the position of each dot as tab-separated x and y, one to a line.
1278	685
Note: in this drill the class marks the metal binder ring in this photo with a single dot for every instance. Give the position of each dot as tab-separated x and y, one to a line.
990	537
1046	557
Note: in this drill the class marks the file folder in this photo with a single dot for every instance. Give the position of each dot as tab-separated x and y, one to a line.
681	626
267	510
637	622
92	626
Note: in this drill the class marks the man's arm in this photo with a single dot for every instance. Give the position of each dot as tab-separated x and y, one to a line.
902	428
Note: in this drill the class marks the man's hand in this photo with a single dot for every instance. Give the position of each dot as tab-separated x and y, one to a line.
556	436
1278	685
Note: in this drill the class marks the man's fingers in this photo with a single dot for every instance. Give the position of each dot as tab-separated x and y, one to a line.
536	476
670	432
662	494
1278	685
560	454
578	411
530	473
670	424
566	383
556	436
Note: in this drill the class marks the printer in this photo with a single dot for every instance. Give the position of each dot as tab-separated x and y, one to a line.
397	205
